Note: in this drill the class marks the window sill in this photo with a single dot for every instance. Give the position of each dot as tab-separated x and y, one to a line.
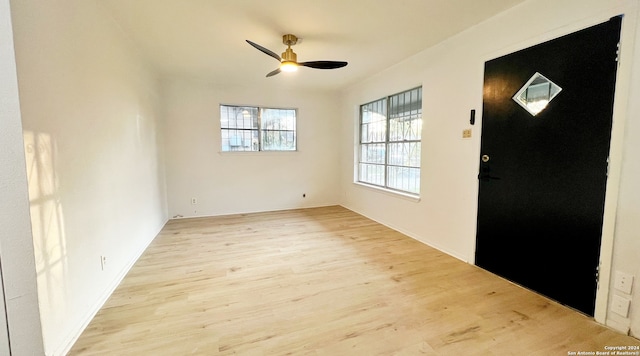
390	192
256	153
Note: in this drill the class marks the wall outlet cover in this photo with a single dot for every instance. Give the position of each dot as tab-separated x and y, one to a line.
623	282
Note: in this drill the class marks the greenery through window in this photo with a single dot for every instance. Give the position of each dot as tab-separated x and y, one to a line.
390	142
248	128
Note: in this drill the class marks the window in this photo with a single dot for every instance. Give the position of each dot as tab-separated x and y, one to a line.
390	137
247	128
536	94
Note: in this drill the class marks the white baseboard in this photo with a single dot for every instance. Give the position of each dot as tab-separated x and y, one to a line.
623	327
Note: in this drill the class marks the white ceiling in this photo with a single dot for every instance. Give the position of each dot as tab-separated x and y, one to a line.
205	39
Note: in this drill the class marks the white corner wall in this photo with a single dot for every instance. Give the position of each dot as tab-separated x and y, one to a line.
242	182
20	332
626	249
451	74
93	151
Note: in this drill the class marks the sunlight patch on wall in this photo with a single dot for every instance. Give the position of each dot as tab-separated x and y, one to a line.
47	221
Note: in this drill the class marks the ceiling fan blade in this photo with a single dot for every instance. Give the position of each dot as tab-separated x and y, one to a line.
271	74
264	50
323	64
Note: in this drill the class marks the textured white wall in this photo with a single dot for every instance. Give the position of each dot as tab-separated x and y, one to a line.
451	74
16	243
227	183
93	149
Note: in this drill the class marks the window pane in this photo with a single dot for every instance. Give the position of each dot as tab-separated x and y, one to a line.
372	153
240	117
405	118
278	129
405	104
239	140
405	128
278	119
404	178
404	154
239	128
371	173
278	140
373	122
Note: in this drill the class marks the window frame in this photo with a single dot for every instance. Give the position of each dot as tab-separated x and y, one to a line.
259	129
387	162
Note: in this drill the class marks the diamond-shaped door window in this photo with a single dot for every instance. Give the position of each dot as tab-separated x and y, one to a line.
536	94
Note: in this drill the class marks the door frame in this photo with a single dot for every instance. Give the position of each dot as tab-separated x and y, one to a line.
5	348
621	96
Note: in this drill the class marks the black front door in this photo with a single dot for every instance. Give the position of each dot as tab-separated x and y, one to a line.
542	176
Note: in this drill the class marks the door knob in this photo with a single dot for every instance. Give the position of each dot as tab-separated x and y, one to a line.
485	170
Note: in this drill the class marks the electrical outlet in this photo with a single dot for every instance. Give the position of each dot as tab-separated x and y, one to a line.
103	262
623	282
620	305
194	201
466	133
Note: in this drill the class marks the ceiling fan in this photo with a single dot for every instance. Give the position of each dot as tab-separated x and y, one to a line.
289	63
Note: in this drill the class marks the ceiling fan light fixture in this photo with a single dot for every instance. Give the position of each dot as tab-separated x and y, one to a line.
289	60
288	66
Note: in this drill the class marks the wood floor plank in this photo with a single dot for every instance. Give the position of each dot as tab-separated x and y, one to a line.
323	281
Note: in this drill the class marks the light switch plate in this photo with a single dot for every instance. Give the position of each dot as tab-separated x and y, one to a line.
623	282
620	305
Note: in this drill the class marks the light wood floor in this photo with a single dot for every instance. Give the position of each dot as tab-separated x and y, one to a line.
322	281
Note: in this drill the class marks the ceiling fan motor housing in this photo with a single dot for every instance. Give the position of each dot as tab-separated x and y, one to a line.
289	39
289	55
